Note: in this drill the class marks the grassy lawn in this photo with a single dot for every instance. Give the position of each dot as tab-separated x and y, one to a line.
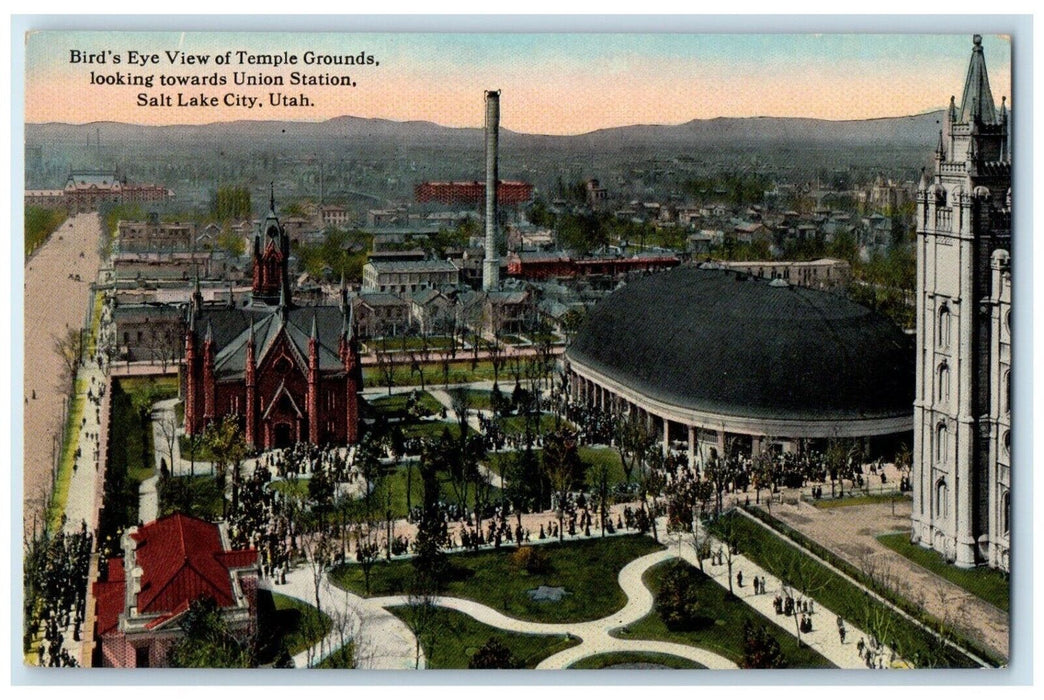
130	452
198	496
778	557
458	637
721	628
592	456
617	658
989	584
515	425
409	342
860	500
431	429
288	622
481	399
297	487
460	372
400	481
202	451
342	658
587	569
60	494
394	406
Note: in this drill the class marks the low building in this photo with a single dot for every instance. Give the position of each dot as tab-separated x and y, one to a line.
85	190
379	313
825	273
407	276
166	565
509	192
153	235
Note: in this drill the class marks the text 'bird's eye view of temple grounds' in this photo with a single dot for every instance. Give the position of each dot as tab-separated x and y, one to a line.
372	352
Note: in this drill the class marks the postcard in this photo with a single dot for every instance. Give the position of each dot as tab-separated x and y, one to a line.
422	351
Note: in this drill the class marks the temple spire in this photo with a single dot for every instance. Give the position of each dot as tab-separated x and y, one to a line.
315	329
977	100
271	196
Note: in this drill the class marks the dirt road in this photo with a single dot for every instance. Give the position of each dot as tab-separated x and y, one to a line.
54	301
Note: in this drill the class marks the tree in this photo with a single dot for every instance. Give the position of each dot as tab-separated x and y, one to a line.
760	649
563	467
168	430
493	654
208	641
677	600
69	348
633	441
226	443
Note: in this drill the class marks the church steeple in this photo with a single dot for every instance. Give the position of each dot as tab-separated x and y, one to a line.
977	100
271	259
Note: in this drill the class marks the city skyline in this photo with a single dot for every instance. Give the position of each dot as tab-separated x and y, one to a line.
600	80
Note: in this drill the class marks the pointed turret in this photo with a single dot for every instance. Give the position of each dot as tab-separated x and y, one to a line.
315	329
977	100
197	294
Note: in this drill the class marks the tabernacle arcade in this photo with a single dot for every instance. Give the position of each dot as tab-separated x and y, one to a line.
709	353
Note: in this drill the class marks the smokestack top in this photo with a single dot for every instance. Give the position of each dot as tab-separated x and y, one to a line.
492	93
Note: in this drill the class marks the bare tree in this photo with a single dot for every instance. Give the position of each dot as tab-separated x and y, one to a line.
168	429
69	348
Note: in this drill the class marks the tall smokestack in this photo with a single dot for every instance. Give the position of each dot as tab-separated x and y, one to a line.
491	265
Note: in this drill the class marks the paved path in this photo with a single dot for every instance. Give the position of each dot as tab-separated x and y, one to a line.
594	634
382	641
851	532
823	638
55	301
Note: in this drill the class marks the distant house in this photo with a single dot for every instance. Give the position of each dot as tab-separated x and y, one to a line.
166	565
407	276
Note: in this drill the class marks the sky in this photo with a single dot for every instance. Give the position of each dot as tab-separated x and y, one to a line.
550	83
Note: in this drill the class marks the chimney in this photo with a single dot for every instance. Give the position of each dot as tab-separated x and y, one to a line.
491	265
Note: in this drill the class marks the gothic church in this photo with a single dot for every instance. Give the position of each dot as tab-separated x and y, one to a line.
290	374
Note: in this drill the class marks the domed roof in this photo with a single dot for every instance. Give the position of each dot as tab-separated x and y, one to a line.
722	342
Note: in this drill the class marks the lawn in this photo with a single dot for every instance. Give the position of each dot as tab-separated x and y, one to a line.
398	481
60	493
988	584
458	637
202	452
198	496
394	406
516	425
721	628
862	500
777	557
430	429
629	658
587	569
591	456
404	343
130	453
460	372
288	622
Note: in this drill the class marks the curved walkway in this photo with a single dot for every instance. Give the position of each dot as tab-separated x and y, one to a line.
382	641
594	634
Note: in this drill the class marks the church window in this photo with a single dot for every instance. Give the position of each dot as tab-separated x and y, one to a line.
944	326
1007	392
940	498
941	439
944	381
1006	513
1006	442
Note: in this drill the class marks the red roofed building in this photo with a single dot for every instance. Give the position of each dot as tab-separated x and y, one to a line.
166	565
509	192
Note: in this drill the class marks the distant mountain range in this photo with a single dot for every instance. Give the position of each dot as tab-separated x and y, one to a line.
918	131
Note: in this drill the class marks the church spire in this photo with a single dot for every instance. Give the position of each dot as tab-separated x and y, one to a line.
977	100
271	196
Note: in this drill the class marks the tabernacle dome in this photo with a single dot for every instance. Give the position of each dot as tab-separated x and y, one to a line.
721	351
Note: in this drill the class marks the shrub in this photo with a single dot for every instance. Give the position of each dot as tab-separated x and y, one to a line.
677	600
532	559
493	654
760	649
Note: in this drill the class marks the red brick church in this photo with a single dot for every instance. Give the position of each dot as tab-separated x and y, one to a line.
290	373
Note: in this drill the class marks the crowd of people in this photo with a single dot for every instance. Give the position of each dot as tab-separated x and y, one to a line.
56	569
